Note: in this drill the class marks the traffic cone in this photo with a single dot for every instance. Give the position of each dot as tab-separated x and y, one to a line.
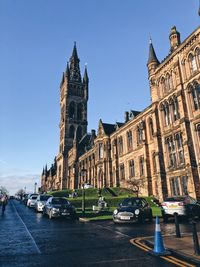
159	248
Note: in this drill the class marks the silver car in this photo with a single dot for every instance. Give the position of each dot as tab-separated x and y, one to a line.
31	200
182	205
40	202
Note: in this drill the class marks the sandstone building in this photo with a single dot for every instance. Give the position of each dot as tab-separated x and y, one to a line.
159	146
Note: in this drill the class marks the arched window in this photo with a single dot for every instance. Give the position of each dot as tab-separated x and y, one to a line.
197	53
195	91
80	111
151	130
175	109
100	150
72	110
120	145
122	172
129	140
179	145
166	114
71	131
192	62
140	134
131	168
163	84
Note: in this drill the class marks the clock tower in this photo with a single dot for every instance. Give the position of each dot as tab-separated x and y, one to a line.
73	113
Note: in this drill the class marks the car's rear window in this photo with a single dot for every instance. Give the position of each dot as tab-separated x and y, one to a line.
44	198
172	199
132	202
34	197
59	201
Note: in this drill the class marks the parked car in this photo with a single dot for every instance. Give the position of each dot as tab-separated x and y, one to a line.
182	205
134	209
31	200
41	201
59	207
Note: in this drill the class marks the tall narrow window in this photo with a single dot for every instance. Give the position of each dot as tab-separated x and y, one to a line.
192	62
196	96
141	161
120	145
175	109
151	130
131	168
166	114
122	173
171	151
178	138
197	52
140	134
129	140
184	185
100	150
174	183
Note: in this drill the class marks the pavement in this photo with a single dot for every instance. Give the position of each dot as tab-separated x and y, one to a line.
182	247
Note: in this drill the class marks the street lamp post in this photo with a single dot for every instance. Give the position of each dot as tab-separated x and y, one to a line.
35	185
83	171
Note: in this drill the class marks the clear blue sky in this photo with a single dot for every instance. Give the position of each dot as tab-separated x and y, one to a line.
36	41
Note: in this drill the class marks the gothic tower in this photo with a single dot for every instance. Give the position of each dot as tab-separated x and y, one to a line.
73	113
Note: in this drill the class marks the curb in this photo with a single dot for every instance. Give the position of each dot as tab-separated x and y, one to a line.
181	255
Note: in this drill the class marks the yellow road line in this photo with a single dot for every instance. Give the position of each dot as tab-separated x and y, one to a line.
178	262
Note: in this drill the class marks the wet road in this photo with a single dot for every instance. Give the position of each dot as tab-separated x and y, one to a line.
30	239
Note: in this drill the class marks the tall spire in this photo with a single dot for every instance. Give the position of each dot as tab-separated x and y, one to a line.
152	55
75	74
74	53
85	77
67	72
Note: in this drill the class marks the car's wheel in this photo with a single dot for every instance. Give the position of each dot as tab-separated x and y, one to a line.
150	216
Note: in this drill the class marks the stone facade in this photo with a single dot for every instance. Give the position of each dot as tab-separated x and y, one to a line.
159	146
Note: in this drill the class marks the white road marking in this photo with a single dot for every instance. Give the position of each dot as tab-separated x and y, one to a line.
29	234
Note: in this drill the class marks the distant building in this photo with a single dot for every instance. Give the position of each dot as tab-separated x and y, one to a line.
160	145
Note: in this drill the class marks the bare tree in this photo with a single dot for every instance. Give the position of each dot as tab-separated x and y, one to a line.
3	190
136	185
20	192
